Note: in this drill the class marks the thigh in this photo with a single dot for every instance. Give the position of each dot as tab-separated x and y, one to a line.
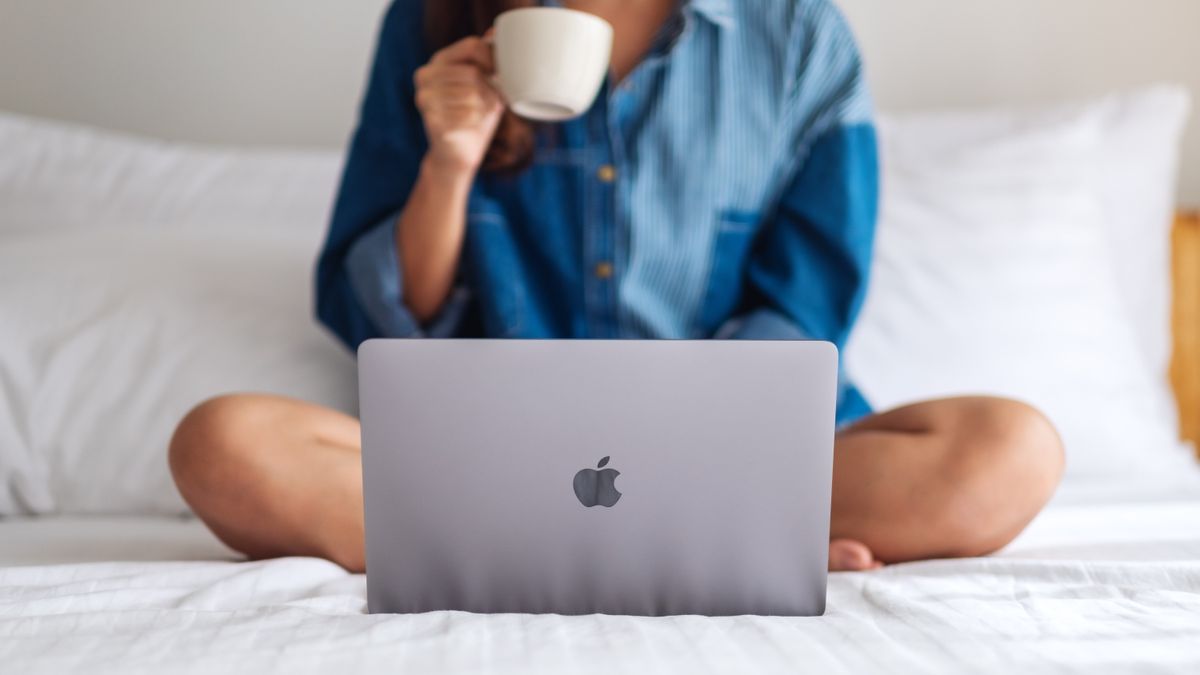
326	425
928	416
265	422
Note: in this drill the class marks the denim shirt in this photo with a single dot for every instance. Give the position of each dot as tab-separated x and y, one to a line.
727	188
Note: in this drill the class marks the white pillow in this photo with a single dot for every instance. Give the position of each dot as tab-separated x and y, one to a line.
137	279
1138	174
1007	265
56	176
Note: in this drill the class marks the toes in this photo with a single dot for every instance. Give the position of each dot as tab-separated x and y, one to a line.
847	555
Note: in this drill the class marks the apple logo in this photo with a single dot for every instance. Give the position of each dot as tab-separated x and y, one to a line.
597	488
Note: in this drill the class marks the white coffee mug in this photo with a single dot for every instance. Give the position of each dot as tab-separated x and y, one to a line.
551	62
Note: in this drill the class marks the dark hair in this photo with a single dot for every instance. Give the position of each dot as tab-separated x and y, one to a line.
448	21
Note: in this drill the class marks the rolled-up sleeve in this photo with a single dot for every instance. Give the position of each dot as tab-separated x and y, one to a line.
769	324
374	272
373	268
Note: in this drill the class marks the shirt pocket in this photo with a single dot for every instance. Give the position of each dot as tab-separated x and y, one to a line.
494	272
732	245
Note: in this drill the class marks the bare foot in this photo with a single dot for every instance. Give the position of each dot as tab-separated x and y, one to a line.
847	555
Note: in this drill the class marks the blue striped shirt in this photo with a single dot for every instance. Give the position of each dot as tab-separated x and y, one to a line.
726	188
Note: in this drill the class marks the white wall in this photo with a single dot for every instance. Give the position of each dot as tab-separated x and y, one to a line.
924	53
290	71
232	71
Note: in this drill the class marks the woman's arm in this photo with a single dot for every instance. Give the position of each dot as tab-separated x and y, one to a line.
390	257
461	111
429	236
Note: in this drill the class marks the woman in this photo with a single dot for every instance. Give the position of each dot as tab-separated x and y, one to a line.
723	185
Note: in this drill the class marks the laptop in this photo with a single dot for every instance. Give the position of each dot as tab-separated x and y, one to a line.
646	478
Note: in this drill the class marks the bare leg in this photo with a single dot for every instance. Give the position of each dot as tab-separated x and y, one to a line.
961	477
941	479
274	477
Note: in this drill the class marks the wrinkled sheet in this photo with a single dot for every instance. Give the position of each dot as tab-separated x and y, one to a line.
1115	587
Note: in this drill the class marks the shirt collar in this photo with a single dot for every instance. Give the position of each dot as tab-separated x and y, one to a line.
719	12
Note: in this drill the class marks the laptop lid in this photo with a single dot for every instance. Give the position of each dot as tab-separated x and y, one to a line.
577	477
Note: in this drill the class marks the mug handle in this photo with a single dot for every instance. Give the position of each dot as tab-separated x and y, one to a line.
489	39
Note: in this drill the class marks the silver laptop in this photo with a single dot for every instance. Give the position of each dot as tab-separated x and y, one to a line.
582	477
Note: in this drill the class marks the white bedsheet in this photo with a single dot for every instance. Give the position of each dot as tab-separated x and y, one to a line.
1114	587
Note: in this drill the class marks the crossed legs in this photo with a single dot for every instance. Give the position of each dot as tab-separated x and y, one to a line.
959	477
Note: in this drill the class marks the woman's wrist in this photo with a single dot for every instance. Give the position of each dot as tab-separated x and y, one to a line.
447	174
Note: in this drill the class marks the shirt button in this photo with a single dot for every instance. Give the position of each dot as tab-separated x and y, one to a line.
607	173
604	270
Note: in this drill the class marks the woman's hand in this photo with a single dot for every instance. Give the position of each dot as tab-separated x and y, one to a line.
460	108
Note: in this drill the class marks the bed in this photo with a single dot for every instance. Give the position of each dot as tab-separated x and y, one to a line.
1113	587
101	570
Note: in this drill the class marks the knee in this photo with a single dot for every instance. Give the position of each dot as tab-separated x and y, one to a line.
1016	441
1006	462
212	446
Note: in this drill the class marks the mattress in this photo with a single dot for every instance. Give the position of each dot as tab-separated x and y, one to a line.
1113	586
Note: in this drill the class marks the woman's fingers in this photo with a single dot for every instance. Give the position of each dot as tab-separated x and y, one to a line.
473	50
435	98
432	74
448	88
451	116
455	77
457	106
460	107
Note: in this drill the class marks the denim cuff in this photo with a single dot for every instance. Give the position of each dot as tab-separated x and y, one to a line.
377	278
762	324
766	324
